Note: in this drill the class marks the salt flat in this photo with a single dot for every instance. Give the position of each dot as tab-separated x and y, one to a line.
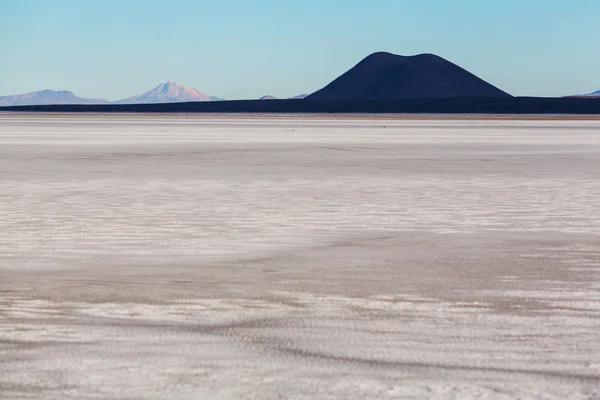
224	257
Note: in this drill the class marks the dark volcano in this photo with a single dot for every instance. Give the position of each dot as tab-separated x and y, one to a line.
385	76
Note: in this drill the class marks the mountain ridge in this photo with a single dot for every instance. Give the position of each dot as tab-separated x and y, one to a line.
269	97
484	106
593	94
46	97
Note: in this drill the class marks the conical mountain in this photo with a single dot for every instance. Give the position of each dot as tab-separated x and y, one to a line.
168	92
386	76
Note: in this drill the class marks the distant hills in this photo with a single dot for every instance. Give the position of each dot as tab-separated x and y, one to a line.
461	105
386	76
593	94
381	80
167	92
299	97
47	97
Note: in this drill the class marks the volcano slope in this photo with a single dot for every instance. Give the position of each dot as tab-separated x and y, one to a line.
386	76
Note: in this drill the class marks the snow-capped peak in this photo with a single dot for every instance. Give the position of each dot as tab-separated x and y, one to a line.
168	92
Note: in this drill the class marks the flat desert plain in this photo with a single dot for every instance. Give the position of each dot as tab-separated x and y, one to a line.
299	257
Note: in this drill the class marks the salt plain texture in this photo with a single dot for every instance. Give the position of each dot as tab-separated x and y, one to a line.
180	257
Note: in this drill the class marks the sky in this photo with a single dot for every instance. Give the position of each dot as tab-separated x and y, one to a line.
239	49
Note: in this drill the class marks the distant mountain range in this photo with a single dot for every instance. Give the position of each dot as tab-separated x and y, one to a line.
380	76
386	76
167	92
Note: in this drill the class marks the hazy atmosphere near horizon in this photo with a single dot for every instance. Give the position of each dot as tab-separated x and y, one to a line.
243	50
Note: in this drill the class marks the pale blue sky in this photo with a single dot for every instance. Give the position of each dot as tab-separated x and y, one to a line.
249	48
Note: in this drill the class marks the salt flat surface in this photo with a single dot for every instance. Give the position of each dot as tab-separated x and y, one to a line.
306	258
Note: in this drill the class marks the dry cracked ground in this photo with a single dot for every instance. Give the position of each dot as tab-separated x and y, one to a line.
232	257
